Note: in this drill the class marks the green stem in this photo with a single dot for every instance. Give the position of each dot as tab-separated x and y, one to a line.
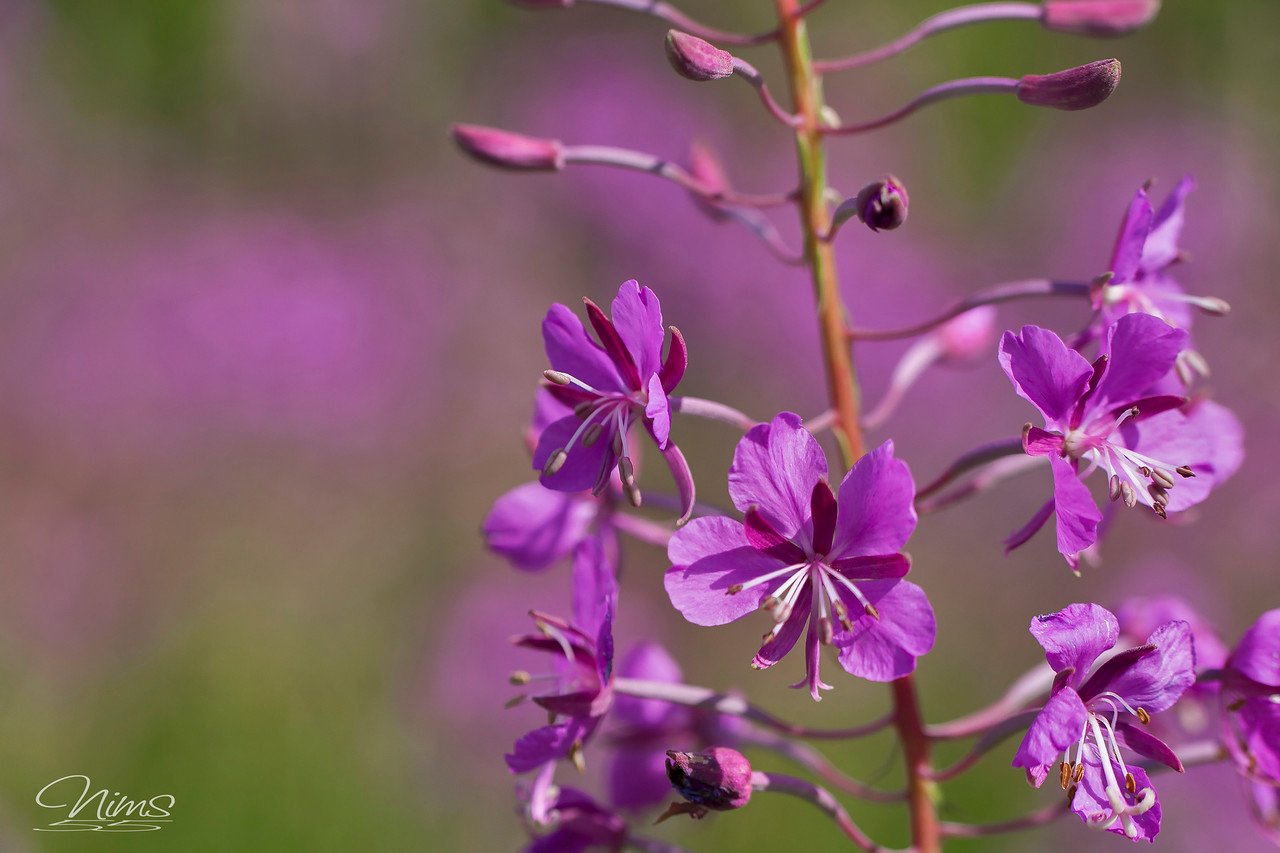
806	96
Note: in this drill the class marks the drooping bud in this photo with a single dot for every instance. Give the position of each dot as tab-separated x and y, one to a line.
881	205
508	150
696	58
968	336
718	778
1074	89
1098	17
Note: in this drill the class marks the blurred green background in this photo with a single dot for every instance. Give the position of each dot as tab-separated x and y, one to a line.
267	344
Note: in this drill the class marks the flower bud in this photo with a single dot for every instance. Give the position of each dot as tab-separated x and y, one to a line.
696	59
718	778
1098	17
1073	89
968	336
508	150
881	205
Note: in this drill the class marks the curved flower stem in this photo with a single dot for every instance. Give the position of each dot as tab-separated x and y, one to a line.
1032	684
665	500
758	224
818	796
818	423
642	529
941	22
991	738
815	762
989	296
990	475
942	92
672	15
712	410
748	72
638	161
975	458
1037	818
723	703
914	362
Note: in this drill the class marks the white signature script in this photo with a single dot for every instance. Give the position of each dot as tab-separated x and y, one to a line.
103	810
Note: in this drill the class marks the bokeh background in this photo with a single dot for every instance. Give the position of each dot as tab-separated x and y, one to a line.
267	345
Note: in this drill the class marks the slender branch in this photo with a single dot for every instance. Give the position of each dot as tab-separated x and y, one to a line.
975	458
815	762
664	500
724	703
818	796
992	474
748	72
672	15
991	738
941	22
989	296
818	423
941	92
1032	684
639	161
1037	818
642	529
914	362
757	223
712	410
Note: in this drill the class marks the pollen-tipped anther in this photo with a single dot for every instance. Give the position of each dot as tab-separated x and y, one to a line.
825	631
557	376
1130	784
1162	477
1074	89
1184	471
697	59
1130	497
1144	716
554	463
870	610
1113	487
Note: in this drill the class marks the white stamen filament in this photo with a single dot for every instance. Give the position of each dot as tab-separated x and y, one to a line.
765	578
848	584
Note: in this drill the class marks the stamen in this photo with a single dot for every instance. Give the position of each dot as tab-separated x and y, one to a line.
1079	774
1144	716
1130	784
1144	470
1131	412
519	677
1064	774
765	578
825	631
627	472
1160	510
1158	495
871	610
592	435
1185	471
557	376
1162	478
1114	488
554	463
842	613
1130	497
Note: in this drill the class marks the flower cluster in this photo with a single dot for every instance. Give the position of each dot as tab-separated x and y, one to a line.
819	547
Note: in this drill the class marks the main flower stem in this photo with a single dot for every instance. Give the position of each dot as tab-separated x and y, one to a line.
806	95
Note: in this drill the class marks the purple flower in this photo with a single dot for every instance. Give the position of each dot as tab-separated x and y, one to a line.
1086	712
581	692
642	730
806	559
610	385
1251	695
581	824
1146	249
1107	415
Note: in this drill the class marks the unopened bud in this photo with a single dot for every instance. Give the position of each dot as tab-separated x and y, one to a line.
881	205
697	59
970	335
508	150
1098	17
718	778
1074	89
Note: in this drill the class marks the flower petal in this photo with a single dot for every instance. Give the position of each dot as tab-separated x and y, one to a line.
1140	349
1057	726
1147	745
1255	656
595	583
1093	807
763	537
822	509
1038	442
1157	680
1161	247
533	526
880	567
1078	514
569	349
677	362
683	478
614	346
541	745
886	648
1075	636
775	466
637	315
1127	254
876	506
658	411
1045	372
709	555
1205	436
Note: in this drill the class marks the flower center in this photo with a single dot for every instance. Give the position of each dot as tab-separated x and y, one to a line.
1099	739
1132	477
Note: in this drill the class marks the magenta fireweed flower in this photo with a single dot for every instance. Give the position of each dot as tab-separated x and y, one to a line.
808	558
1251	696
1087	713
640	731
1155	450
581	691
610	386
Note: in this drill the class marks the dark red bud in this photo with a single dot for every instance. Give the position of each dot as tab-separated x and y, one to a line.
1099	17
697	59
508	150
882	205
1074	89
